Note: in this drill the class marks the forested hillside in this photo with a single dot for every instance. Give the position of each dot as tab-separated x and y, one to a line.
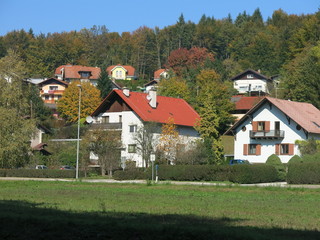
283	44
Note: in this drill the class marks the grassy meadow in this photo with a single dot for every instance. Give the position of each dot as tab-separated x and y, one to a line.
77	210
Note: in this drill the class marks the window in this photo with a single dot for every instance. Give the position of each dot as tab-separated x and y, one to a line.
46	97
120	118
249	75
133	128
132	148
284	149
261	126
53	88
252	149
105	119
84	74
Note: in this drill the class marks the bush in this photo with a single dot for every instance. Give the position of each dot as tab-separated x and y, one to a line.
311	158
37	173
295	159
237	173
304	173
274	160
130	174
256	173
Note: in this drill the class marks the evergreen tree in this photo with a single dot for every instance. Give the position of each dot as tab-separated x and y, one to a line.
104	83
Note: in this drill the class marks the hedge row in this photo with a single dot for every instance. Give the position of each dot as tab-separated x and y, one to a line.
304	173
237	173
38	173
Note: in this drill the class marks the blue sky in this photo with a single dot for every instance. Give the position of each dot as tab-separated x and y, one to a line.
45	16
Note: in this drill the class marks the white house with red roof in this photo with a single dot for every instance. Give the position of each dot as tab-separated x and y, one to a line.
121	72
71	73
128	111
271	127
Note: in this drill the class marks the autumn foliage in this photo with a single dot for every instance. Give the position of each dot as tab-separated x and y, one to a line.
68	105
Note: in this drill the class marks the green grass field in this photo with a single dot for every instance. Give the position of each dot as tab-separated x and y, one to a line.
75	210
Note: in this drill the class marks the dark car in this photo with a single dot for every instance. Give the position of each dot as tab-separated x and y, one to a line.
66	167
238	161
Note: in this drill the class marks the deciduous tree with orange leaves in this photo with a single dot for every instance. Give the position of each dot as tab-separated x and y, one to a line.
68	105
168	141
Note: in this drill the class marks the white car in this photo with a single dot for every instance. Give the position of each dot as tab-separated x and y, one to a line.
41	167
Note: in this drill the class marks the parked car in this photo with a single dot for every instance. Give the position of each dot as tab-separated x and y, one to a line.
238	161
41	167
66	167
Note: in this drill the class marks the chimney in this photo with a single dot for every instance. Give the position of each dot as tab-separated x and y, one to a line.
152	96
126	91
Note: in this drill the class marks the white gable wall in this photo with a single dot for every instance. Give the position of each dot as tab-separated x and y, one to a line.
267	145
242	85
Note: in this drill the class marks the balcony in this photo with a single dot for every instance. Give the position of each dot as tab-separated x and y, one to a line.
109	126
273	134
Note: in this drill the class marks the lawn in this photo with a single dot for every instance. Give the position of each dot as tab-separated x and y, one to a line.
77	210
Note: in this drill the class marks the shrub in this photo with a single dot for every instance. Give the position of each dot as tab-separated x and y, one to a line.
37	173
130	174
304	173
311	158
256	173
274	160
295	159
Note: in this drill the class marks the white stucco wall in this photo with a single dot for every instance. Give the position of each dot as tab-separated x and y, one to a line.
256	85
268	145
187	134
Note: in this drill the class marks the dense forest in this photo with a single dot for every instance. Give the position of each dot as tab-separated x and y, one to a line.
285	45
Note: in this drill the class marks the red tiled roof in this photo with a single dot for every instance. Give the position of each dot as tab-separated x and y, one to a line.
167	107
304	114
157	73
130	70
245	103
72	71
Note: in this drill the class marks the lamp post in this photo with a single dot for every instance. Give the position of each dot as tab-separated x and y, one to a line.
78	140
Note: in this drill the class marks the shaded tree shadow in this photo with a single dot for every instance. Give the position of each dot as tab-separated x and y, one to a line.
25	220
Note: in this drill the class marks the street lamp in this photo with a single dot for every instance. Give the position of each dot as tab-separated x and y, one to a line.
78	140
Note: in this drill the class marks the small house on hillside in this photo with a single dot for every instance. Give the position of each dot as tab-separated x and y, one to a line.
128	111
271	127
70	73
252	83
121	72
52	89
157	76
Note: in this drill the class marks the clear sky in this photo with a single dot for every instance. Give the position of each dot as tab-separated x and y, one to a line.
45	16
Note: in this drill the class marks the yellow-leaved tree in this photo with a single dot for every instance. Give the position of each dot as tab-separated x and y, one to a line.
168	141
68	105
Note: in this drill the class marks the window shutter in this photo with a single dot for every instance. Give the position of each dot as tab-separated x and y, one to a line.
277	149
258	149
245	149
254	126
267	126
291	149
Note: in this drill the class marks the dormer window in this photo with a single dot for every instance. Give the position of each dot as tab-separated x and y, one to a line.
84	74
249	75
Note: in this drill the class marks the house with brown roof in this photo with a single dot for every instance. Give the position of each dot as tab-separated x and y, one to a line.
272	126
121	72
128	112
157	76
252	83
70	73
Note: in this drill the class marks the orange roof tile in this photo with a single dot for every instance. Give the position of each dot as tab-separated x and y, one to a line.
157	74
130	70
167	107
245	103
72	71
